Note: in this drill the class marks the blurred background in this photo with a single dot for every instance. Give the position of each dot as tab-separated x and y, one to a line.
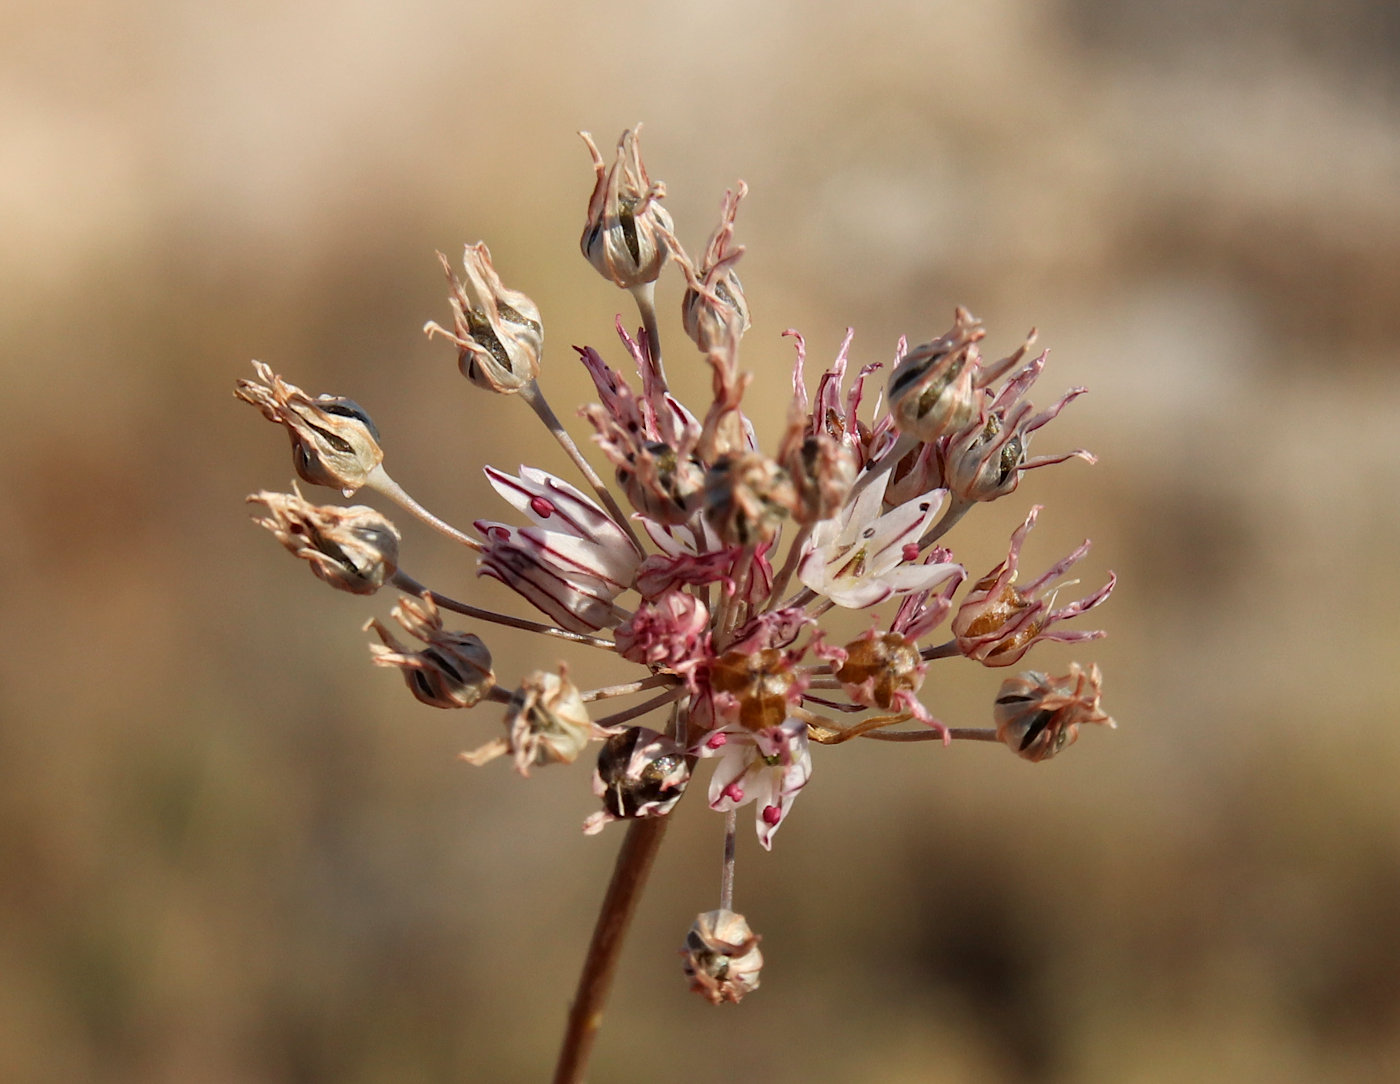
231	851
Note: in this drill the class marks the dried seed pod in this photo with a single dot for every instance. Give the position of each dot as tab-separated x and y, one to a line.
498	332
334	442
353	549
453	671
722	959
879	665
1039	716
623	234
747	497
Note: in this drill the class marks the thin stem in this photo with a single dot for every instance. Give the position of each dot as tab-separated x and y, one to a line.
645	296
732	612
380	482
535	398
954	512
634	862
945	650
607	692
955	733
802	598
790	565
406	583
618	718
726	873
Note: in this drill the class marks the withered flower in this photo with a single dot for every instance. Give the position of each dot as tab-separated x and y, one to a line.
986	458
622	237
498	333
878	667
453	671
353	549
747	497
998	622
546	722
1038	716
722	959
714	311
934	389
334	442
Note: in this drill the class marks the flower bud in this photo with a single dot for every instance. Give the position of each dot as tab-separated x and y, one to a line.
334	442
1038	716
672	633
353	549
640	773
623	235
497	331
546	721
747	497
722	959
453	671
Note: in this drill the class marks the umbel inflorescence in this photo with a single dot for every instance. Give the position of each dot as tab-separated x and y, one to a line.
709	562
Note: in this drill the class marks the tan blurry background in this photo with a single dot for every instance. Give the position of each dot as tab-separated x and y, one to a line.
230	851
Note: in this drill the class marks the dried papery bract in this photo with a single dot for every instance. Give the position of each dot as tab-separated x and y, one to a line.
722	959
498	332
452	671
334	442
353	549
1039	716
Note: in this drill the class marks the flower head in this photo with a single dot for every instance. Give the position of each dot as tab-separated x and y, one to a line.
683	562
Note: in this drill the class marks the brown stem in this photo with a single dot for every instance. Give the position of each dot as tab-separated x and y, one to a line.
629	877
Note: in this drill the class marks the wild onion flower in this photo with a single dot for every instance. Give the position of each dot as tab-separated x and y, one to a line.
708	566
